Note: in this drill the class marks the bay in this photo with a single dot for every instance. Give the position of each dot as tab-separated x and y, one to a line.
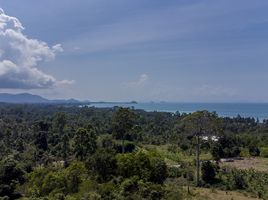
255	110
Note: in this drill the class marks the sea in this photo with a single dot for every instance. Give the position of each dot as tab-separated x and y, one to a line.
254	110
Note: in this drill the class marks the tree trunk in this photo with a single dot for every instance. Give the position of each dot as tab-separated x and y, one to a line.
188	183
198	161
123	145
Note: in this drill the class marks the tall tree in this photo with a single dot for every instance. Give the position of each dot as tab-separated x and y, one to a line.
59	123
85	143
201	123
123	122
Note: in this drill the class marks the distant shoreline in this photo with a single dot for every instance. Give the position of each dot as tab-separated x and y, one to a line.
252	110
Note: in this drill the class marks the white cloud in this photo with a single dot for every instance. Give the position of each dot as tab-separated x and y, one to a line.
66	82
143	79
20	56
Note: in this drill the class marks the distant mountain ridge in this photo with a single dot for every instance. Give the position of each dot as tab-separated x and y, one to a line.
30	98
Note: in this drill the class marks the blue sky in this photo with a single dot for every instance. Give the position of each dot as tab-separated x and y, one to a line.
153	50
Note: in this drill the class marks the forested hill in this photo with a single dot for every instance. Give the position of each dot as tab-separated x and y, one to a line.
30	98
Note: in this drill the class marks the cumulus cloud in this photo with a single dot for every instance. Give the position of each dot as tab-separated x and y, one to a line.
20	56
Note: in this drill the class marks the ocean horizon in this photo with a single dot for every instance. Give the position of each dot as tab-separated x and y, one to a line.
253	110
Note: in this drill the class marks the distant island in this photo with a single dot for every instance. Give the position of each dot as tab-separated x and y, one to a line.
113	102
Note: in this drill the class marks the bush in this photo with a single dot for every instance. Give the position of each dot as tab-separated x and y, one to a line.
129	186
10	175
240	181
226	147
133	188
158	170
244	152
45	181
217	152
148	168
249	180
208	171
74	175
103	164
172	148
129	147
264	152
254	151
107	191
174	172
134	164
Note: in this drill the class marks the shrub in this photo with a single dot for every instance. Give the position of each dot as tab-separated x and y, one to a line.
158	170
264	152
208	171
10	175
239	179
254	151
140	164
107	191
129	186
129	147
46	181
134	164
133	188
244	152
217	152
174	172
74	175
103	163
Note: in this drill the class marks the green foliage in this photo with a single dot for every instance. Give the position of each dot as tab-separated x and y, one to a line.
145	167
10	175
53	182
254	150
107	191
103	164
59	122
174	172
44	181
74	175
85	143
43	140
158	170
134	164
208	171
217	152
226	147
202	122
122	124
244	152
134	188
123	121
264	152
249	180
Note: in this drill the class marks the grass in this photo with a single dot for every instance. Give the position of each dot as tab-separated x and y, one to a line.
256	163
173	155
213	194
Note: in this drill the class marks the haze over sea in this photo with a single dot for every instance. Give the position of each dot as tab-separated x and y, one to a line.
256	110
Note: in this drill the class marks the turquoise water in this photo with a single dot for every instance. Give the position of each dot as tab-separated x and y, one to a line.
256	110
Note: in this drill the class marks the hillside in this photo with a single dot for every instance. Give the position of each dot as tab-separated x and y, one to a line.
30	98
